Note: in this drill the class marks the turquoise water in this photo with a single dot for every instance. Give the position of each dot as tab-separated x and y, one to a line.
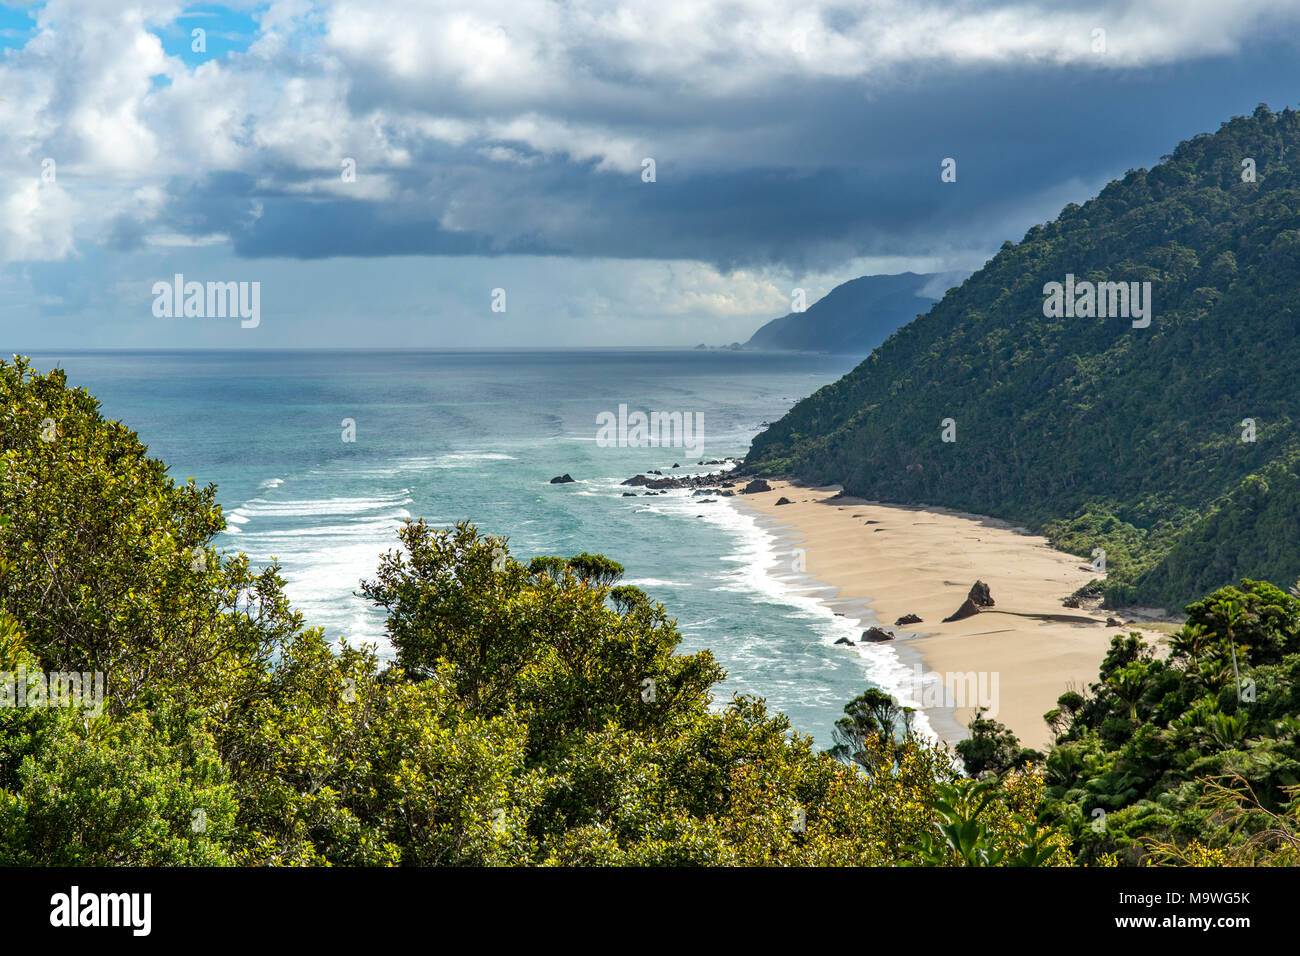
450	436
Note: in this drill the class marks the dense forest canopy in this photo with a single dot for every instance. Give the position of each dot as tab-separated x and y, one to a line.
1169	446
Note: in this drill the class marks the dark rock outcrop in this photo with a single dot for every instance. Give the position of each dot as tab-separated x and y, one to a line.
701	484
845	640
756	486
877	635
783	500
642	481
1087	597
907	619
564	479
968	609
978	597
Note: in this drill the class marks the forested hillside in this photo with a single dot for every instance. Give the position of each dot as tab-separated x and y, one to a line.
1103	434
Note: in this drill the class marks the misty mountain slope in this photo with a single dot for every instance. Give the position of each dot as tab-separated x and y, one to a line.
854	317
1096	432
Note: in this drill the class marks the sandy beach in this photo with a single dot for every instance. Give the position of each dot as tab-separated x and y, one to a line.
1025	651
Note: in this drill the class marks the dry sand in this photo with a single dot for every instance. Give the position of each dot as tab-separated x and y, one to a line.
902	560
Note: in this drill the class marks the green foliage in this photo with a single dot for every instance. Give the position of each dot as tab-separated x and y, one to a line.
992	748
1099	434
536	714
105	560
969	830
1135	759
144	790
1244	832
595	568
546	644
873	715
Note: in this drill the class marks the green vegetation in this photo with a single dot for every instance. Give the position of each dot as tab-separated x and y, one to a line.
536	714
539	714
1095	432
1148	757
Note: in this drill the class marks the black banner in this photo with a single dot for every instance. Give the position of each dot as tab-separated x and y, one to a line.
333	906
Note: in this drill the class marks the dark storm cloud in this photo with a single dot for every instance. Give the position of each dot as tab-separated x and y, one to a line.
500	143
804	178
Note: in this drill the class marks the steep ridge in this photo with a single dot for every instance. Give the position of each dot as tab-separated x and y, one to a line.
1170	446
855	316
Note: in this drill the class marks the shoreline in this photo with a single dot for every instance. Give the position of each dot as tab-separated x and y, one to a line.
878	562
882	662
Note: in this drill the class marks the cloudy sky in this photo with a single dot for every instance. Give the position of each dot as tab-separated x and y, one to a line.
501	144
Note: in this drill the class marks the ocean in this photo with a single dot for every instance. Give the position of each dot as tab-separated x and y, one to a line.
477	435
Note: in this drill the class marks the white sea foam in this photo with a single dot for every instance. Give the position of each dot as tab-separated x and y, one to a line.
325	547
457	459
374	528
426	463
765	568
321	506
692	625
